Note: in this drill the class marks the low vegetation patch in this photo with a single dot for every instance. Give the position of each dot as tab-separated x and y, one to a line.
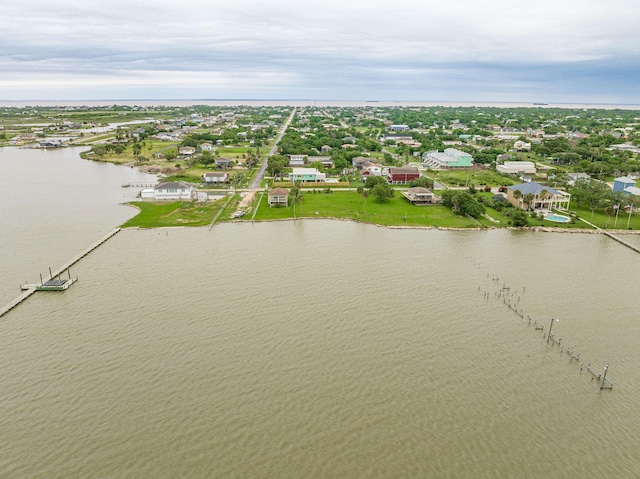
179	213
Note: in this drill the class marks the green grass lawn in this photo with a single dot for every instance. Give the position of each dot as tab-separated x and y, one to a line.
179	213
350	205
601	220
475	177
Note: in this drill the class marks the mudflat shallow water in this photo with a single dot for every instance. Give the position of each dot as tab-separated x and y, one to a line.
317	349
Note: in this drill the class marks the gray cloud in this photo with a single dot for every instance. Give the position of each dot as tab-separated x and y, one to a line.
467	50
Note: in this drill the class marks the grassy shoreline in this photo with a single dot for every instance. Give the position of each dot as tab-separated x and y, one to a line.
343	206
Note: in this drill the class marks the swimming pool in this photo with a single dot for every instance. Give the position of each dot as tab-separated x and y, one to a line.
557	218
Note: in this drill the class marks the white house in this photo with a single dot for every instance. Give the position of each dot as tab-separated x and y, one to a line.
517	168
215	178
172	191
522	146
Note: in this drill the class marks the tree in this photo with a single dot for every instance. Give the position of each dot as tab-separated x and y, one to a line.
528	199
517	194
137	149
372	181
423	181
462	203
237	179
544	196
519	218
382	192
277	165
206	158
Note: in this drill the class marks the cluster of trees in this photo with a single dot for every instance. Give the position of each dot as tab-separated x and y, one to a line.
463	203
598	196
378	188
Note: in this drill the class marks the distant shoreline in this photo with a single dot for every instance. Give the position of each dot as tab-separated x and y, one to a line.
315	102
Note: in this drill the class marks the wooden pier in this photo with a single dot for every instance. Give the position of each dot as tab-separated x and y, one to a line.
612	236
51	283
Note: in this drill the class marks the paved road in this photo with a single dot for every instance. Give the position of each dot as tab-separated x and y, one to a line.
255	184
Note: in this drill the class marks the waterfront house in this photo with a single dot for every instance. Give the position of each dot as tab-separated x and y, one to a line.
402	176
278	197
420	196
170	191
544	197
215	178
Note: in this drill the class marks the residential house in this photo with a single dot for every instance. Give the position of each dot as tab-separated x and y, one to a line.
370	169
450	158
278	197
325	149
519	168
222	163
541	201
297	160
396	138
358	162
420	196
215	178
186	151
522	146
402	176
206	146
573	177
399	128
622	183
326	161
307	175
170	191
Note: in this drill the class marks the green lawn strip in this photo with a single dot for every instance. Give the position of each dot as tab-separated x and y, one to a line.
600	218
350	205
179	213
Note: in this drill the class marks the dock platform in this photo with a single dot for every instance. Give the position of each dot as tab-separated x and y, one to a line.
54	282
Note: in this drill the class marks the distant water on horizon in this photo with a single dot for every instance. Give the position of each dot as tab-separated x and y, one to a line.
312	102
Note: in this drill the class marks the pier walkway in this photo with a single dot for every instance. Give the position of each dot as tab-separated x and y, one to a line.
612	236
33	288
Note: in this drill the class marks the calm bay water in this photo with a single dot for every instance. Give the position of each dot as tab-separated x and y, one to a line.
321	349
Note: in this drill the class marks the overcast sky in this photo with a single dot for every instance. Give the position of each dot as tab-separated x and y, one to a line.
448	50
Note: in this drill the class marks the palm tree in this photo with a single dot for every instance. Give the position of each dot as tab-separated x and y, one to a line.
528	199
544	195
517	194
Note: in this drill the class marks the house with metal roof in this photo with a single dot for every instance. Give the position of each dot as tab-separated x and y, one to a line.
622	183
544	197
